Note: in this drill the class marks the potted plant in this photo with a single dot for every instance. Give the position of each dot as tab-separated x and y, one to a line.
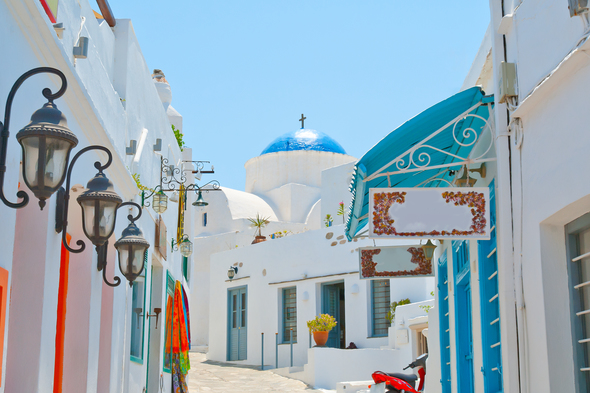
328	220
320	326
259	223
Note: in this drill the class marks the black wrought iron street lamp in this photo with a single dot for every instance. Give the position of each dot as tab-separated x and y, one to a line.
171	180
185	246
131	248
200	202
99	205
46	144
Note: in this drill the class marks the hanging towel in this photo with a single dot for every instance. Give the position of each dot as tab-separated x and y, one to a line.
180	342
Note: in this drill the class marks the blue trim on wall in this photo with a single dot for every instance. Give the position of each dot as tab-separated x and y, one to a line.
444	326
463	320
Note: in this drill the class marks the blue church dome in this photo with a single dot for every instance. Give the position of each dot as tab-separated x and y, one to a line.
304	139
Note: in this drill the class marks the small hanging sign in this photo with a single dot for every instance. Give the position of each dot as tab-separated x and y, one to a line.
393	262
429	213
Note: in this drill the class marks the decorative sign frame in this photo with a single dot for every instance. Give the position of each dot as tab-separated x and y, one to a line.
160	242
430	213
393	262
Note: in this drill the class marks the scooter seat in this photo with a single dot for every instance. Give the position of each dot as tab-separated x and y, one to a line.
409	378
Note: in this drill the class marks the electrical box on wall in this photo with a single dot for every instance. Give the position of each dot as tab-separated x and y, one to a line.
507	82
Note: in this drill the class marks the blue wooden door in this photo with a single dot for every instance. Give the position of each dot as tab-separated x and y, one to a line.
463	328
490	305
444	327
237	328
331	305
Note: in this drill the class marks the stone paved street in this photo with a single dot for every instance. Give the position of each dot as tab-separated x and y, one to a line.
208	376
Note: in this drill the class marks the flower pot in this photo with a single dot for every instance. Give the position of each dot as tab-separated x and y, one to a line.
320	338
259	239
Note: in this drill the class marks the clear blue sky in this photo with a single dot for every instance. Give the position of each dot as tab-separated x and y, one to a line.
242	72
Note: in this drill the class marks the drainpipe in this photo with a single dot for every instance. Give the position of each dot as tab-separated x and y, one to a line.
509	269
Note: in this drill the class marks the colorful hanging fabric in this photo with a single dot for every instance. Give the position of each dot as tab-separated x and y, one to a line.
180	342
188	316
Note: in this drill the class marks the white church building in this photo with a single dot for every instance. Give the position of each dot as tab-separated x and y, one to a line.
304	268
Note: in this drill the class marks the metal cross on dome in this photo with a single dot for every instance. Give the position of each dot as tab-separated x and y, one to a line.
302	120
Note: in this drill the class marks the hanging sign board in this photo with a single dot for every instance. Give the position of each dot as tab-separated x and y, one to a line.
160	240
394	261
427	213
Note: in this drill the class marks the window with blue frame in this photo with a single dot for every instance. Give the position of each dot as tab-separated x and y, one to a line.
578	265
380	302
289	314
185	268
490	305
204	219
137	316
444	325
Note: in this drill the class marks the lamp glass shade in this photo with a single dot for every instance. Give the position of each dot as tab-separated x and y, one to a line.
186	248
132	248
98	218
200	202
160	202
99	209
131	260
231	273
46	144
428	249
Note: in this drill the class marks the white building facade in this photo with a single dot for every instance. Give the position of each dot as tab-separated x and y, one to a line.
64	329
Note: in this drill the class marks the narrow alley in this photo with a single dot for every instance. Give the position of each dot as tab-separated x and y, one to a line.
209	376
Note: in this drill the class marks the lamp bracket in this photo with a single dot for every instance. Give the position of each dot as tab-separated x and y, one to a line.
174	244
156	314
4	134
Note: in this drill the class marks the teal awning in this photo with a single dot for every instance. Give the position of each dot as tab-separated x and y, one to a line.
423	148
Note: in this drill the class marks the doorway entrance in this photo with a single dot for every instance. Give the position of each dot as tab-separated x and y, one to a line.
237	328
154	327
333	304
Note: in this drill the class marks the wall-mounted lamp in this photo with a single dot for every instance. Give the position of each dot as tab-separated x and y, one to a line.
99	205
231	272
185	246
428	249
46	144
466	180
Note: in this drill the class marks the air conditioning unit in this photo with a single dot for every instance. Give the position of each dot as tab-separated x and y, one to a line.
578	7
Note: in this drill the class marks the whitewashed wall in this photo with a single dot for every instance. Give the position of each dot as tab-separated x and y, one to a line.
306	261
548	190
110	100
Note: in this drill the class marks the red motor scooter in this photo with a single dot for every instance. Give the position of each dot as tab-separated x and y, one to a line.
403	383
